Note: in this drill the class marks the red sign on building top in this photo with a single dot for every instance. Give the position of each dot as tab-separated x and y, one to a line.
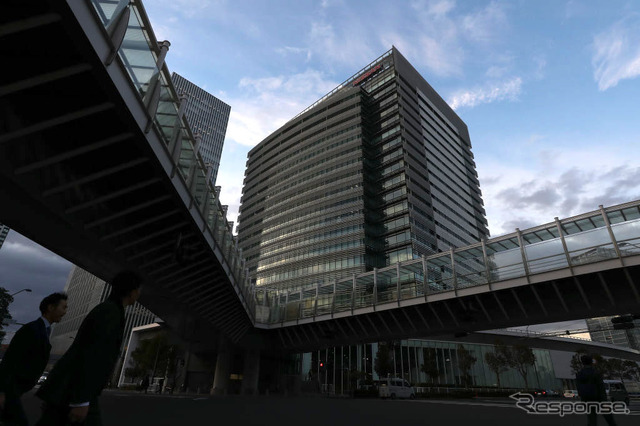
366	75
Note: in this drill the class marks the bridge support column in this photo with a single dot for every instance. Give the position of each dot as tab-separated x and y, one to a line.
223	369
251	372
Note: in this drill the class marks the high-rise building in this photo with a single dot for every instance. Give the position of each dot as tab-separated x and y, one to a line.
85	291
4	231
208	116
379	170
601	330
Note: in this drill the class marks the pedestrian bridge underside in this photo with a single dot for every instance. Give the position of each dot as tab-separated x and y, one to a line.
98	165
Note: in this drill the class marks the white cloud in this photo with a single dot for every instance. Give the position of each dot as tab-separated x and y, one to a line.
484	25
25	264
193	8
508	90
496	71
540	63
267	103
230	194
440	8
442	37
346	44
436	43
261	85
616	53
441	58
286	50
539	184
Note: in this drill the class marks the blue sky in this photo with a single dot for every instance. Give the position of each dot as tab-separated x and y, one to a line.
549	91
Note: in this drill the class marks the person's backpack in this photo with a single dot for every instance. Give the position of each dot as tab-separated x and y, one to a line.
587	383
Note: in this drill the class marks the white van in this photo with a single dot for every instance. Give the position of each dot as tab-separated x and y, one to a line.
616	391
395	388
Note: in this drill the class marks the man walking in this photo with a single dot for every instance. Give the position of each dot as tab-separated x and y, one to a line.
26	358
591	388
71	391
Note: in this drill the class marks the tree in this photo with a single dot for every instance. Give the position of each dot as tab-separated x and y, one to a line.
521	358
497	363
354	376
616	368
154	356
135	373
631	370
430	365
5	300
465	362
602	365
576	362
384	361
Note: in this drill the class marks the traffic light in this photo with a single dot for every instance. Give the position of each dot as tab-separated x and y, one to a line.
624	322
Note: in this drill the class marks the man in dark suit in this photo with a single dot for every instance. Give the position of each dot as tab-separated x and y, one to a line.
71	391
27	357
591	389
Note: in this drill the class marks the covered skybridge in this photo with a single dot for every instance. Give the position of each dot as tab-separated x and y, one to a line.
579	267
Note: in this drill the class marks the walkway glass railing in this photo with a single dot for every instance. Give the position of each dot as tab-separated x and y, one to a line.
588	238
140	55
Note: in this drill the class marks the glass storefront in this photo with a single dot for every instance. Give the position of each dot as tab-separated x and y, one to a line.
344	368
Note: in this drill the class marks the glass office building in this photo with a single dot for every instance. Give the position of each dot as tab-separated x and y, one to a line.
208	116
4	231
601	330
378	171
86	291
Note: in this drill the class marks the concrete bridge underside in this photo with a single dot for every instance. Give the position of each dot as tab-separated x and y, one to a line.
79	175
606	288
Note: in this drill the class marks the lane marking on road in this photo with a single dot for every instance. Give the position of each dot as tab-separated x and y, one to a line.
482	404
506	404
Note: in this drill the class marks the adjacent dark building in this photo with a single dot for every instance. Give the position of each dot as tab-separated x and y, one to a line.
208	116
85	292
378	171
601	330
4	231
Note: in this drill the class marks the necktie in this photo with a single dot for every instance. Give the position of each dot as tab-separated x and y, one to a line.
48	331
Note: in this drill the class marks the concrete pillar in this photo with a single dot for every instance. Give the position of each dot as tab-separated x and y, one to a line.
223	369
251	372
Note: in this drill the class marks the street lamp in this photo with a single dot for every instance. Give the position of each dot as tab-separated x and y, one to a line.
28	290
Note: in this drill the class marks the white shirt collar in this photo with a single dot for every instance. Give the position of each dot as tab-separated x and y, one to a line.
46	323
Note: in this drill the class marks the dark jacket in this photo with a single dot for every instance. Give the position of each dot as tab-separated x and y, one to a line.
84	370
590	385
25	358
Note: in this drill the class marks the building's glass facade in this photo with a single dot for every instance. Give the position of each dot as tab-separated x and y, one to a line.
601	330
4	231
339	364
208	116
85	291
378	171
